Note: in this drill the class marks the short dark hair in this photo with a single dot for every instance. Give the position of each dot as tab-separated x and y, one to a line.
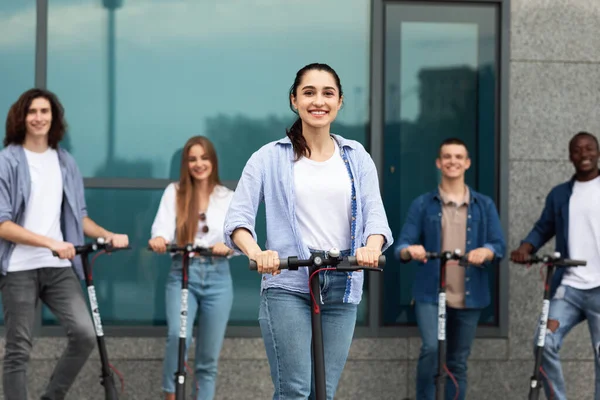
452	140
16	127
583	134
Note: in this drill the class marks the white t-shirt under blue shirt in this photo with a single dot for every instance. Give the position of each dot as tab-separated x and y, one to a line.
584	235
42	212
323	202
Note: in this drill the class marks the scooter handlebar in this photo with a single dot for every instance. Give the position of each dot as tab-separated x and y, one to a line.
95	246
190	248
345	264
555	260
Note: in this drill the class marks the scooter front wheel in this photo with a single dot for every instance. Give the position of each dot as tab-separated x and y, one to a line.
110	391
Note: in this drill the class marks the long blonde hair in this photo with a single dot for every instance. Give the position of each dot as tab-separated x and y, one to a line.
187	209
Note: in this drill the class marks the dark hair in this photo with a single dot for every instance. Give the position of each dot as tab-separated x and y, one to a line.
452	140
295	132
16	127
583	134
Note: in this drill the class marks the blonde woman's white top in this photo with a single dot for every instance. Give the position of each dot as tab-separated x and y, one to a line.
218	204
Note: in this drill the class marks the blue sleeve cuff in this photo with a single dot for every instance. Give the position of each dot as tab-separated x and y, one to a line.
398	249
231	228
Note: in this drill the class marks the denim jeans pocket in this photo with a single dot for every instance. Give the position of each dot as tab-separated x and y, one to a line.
218	270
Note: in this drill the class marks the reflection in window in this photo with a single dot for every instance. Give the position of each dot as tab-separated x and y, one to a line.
440	81
148	75
130	285
17	52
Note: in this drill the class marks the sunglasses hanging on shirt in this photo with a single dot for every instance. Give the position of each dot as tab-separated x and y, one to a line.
202	218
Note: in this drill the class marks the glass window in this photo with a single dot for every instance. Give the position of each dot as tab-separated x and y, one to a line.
17	52
440	80
130	285
148	75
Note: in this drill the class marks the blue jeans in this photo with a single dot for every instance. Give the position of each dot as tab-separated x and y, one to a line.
211	293
461	325
569	307
285	323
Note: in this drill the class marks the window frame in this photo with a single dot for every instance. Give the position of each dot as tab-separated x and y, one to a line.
375	323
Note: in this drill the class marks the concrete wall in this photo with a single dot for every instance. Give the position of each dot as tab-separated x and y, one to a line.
555	92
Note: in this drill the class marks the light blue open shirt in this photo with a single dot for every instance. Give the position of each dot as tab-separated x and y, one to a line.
15	187
269	177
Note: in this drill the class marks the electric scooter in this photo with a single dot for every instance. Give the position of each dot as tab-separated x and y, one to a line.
330	261
442	374
106	379
551	263
188	251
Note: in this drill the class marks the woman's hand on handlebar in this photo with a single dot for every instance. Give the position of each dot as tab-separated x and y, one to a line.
267	262
64	250
118	240
220	249
368	256
158	244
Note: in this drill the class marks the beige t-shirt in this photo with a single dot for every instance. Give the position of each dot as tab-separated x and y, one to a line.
454	236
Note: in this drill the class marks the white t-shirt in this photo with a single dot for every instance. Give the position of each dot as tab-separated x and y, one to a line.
218	204
42	212
323	194
584	235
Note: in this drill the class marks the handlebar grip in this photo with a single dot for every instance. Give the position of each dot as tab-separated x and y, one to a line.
201	251
283	264
85	248
151	249
573	263
170	248
77	252
108	248
352	261
111	249
556	261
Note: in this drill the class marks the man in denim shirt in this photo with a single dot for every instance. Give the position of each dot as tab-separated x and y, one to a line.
42	209
453	216
571	212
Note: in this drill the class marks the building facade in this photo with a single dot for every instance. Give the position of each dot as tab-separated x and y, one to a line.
513	79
